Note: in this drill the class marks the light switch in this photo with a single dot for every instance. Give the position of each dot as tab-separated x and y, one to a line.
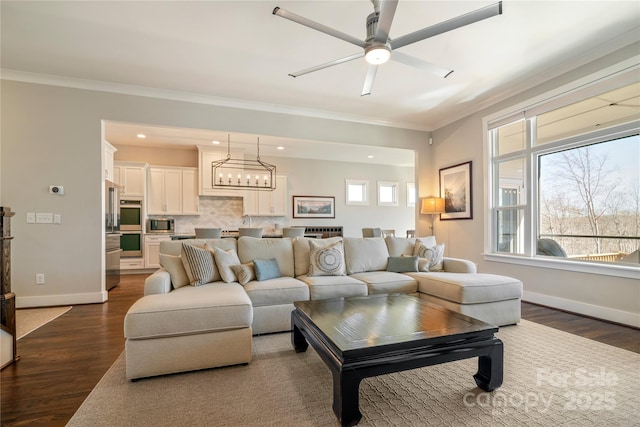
44	218
31	218
57	219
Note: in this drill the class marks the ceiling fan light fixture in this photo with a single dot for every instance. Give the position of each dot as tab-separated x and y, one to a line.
377	54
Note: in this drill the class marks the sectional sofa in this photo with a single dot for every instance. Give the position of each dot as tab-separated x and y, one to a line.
201	309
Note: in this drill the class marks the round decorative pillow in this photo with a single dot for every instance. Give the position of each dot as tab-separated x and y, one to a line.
326	260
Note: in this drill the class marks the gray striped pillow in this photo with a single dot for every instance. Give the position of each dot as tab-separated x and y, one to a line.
200	266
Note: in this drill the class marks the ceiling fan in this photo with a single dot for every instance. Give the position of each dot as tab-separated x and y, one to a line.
378	46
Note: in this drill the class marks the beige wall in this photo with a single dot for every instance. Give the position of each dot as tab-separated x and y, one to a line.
614	298
52	135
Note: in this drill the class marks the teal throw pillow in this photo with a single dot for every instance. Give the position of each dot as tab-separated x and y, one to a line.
402	264
266	269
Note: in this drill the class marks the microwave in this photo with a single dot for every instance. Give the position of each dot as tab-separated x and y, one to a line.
161	225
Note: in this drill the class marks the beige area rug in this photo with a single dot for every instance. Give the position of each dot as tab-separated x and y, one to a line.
552	378
30	319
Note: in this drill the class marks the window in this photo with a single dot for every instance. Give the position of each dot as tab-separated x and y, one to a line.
357	191
387	193
411	194
566	182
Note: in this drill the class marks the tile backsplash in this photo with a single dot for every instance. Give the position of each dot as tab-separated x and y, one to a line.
225	213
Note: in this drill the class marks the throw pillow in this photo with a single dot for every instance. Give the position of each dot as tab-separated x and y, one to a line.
434	256
244	272
402	264
224	261
266	269
173	264
326	260
201	267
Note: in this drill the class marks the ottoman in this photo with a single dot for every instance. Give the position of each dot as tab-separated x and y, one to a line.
489	297
187	329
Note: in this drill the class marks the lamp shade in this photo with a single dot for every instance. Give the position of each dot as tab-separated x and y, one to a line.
432	205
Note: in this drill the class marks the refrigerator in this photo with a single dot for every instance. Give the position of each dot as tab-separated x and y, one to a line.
112	234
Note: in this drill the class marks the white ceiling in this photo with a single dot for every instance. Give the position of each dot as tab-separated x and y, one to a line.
118	133
237	51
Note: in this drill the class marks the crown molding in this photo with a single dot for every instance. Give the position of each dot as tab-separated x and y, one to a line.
151	92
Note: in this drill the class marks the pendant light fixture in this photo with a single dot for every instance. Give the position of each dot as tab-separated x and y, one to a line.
243	173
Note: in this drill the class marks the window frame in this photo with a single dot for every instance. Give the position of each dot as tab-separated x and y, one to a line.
365	192
528	111
394	189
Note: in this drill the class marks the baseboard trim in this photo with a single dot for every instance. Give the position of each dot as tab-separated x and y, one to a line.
57	300
591	310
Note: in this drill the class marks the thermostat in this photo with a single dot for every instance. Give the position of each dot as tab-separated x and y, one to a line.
56	189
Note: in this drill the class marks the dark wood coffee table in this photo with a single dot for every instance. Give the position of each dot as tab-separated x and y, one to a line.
379	334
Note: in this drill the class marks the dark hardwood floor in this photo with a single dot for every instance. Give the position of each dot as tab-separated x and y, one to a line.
62	361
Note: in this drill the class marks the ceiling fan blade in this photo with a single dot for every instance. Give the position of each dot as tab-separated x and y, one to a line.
319	27
387	11
327	65
451	24
368	81
412	61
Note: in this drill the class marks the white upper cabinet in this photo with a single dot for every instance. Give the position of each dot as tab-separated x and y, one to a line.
190	198
109	152
267	203
205	186
132	177
171	191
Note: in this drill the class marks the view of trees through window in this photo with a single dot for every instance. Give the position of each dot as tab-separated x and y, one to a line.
589	199
566	181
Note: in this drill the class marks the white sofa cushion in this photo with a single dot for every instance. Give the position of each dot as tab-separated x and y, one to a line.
283	290
464	288
365	254
251	248
327	287
189	310
174	247
224	261
301	250
399	246
387	282
173	264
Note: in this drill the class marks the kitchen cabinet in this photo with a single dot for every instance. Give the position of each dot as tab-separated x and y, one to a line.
267	203
152	249
190	199
131	263
205	187
109	152
172	191
132	177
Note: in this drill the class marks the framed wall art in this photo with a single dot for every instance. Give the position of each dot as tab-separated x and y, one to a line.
455	188
314	207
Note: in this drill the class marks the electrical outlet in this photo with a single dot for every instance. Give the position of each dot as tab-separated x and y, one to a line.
40	279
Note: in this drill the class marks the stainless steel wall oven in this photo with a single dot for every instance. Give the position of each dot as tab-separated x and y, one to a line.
130	215
131	243
131	227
